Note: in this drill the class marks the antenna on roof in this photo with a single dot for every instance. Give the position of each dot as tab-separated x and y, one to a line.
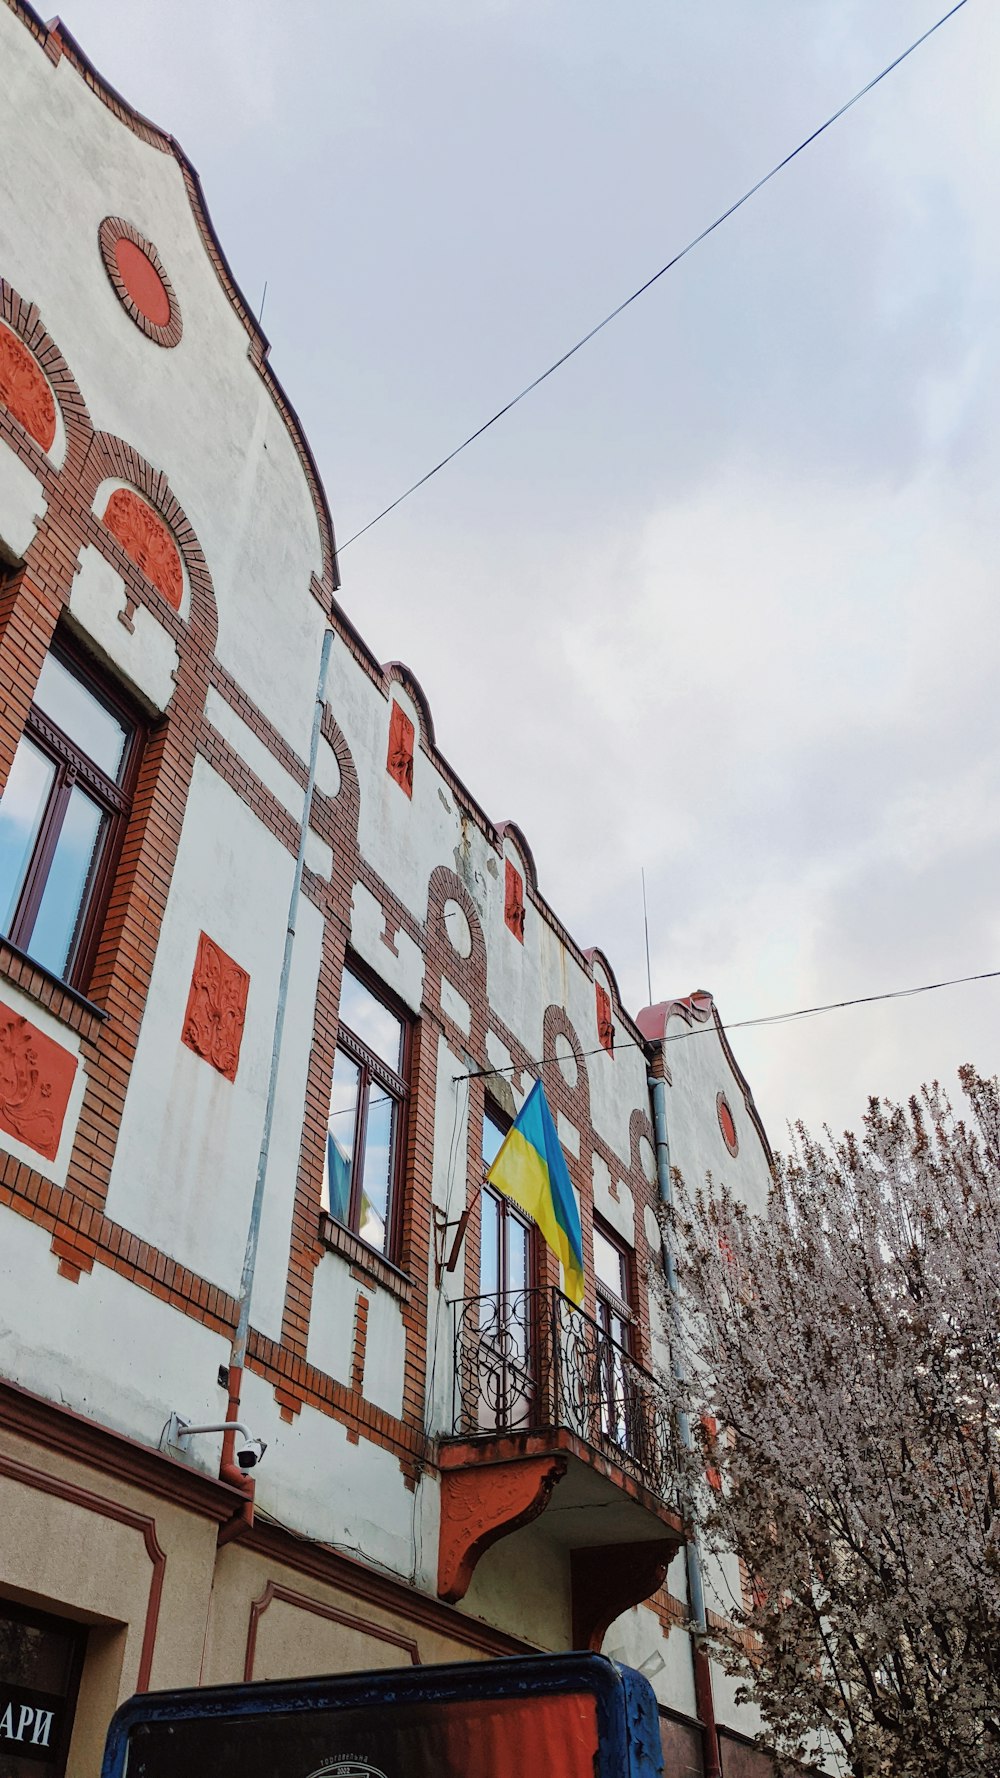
645	922
263	299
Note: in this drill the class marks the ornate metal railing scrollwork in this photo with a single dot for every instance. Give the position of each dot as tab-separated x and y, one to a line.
531	1360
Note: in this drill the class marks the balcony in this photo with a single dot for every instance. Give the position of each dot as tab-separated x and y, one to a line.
550	1415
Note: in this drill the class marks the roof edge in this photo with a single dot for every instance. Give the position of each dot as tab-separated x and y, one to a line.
57	40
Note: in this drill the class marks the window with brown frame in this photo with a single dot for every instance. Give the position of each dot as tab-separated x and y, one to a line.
366	1136
508	1308
63	815
506	1237
612	1271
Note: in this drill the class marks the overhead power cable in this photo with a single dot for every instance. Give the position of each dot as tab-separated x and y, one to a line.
696	241
774	1018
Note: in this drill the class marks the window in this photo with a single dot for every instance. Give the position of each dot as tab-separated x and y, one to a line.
40	1660
506	1296
611	1271
614	1318
505	1238
63	814
364	1144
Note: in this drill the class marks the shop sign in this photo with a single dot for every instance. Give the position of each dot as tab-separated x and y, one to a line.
31	1723
567	1716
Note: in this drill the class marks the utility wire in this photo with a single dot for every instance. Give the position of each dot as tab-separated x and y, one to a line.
677	257
774	1018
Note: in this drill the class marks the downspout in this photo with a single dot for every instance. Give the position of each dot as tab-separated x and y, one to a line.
701	1665
229	1470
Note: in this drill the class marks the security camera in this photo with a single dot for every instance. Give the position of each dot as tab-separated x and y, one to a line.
251	1454
178	1431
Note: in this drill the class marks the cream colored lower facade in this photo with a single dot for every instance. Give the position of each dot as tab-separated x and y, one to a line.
124	1543
134	1556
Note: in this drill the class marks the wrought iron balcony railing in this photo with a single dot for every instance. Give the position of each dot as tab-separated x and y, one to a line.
529	1360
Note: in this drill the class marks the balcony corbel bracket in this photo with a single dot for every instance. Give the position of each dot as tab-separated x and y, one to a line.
482	1503
607	1580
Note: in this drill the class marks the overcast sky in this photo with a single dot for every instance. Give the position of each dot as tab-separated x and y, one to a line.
720	598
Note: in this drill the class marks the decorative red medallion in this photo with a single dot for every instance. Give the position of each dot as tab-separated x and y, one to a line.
143	282
727	1124
24	391
36	1077
147	542
140	281
216	1008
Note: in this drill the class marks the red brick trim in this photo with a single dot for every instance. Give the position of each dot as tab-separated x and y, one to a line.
363	1259
239	701
24	319
360	1343
64	1003
398	673
114	229
25	391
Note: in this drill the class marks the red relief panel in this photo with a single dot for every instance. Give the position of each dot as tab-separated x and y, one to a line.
216	1008
605	1023
513	901
36	1077
399	762
24	391
147	542
710	1429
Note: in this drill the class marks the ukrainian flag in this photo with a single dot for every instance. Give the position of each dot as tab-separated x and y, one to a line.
531	1171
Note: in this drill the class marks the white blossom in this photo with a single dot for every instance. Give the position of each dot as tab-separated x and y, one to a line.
847	1342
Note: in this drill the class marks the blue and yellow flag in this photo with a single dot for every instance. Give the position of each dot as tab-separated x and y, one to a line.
531	1171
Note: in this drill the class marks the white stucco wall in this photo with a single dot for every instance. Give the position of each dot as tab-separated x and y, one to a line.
199	410
100	1346
700	1070
186	1161
144	654
22	505
303	1480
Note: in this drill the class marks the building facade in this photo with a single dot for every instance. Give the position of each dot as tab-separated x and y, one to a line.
194	739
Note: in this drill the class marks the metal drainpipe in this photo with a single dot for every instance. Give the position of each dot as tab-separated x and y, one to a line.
701	1665
230	1471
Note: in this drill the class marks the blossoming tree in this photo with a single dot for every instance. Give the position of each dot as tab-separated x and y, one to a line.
847	1344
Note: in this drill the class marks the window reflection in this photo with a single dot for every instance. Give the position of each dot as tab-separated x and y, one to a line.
70	873
100	735
367	1097
63	811
21	810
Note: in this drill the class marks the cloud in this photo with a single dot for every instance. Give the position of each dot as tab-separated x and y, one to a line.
719	599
